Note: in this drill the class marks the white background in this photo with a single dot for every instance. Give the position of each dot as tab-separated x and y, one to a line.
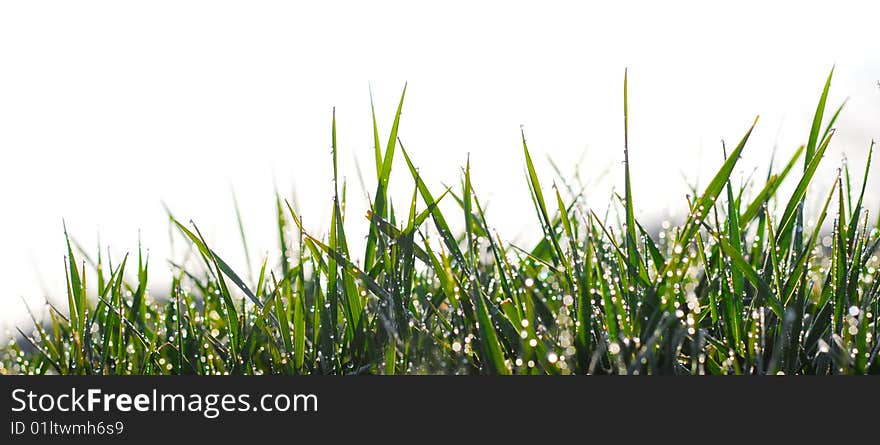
108	109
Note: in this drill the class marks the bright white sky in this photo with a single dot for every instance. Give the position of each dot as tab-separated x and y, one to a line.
109	108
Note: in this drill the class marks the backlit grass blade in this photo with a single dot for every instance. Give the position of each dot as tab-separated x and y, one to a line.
632	252
492	352
437	216
384	174
770	189
538	195
789	216
77	297
241	232
221	265
707	200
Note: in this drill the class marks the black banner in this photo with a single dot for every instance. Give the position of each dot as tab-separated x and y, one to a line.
406	409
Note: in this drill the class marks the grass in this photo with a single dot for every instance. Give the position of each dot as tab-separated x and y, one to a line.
742	286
